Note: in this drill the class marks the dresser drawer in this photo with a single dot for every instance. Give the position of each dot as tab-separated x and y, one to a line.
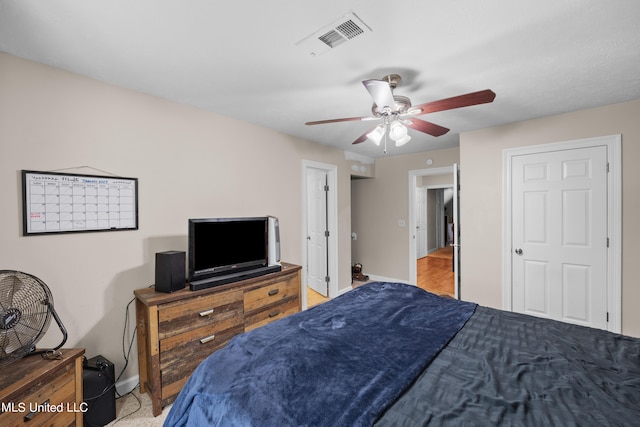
260	318
180	355
257	299
178	317
50	403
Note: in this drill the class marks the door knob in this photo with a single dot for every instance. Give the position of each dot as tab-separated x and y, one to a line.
518	251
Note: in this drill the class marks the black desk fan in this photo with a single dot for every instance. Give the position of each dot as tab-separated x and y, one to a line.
26	307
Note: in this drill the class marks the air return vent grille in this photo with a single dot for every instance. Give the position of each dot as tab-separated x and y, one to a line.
343	32
350	29
330	36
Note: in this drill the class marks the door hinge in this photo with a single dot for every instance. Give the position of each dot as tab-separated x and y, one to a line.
326	233
607	167
607	242
327	279
326	188
607	316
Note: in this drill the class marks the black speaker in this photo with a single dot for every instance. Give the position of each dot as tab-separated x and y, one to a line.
170	271
99	391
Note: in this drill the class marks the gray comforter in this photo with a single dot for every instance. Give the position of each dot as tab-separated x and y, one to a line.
509	369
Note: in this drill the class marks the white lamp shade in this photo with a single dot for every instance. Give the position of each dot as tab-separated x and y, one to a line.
402	141
397	131
376	135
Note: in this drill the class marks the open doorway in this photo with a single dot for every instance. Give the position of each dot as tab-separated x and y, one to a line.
320	250
432	227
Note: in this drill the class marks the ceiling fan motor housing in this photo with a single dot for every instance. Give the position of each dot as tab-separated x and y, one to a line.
392	79
402	105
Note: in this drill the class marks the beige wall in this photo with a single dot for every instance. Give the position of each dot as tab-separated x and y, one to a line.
378	204
446	179
189	162
481	197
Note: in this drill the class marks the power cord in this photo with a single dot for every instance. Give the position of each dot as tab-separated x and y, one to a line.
126	353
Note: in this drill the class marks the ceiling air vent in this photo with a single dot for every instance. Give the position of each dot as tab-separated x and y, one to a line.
345	29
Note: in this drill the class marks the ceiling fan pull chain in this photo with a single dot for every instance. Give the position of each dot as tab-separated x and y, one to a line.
385	142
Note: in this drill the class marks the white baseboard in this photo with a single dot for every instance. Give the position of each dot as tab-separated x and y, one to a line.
125	386
344	290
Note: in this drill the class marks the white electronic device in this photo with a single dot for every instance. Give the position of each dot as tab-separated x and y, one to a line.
274	241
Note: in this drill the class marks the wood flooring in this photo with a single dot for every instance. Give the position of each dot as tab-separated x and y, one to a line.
435	272
314	298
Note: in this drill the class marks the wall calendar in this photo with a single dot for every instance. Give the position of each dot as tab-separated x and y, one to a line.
60	202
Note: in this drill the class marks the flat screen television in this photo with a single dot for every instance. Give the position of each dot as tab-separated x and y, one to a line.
224	246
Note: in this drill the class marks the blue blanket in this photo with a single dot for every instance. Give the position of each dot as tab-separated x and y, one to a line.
341	363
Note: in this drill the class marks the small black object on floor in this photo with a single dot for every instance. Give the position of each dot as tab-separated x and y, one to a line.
98	382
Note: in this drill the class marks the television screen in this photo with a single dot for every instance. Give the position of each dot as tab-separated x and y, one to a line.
225	245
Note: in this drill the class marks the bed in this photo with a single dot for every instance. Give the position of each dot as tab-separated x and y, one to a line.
389	354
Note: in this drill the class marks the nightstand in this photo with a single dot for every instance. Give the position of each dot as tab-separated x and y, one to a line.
37	391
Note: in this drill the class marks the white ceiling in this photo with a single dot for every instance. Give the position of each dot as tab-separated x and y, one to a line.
240	58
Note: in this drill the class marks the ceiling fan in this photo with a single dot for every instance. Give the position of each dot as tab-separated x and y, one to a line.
397	113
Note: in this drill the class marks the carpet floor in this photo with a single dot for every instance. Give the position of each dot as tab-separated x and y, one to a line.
134	410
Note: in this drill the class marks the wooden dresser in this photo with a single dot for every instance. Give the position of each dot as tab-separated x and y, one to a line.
35	391
177	331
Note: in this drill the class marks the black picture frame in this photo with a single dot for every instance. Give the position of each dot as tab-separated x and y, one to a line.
54	202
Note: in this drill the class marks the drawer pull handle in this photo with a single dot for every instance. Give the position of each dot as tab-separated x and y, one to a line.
273	292
207	339
206	312
274	313
32	414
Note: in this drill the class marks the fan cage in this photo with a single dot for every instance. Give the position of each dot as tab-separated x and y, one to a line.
25	314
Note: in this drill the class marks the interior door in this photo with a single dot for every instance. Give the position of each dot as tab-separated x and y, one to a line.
456	231
317	225
559	237
421	222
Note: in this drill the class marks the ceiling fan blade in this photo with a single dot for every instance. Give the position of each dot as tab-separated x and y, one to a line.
345	119
363	137
426	127
381	93
474	98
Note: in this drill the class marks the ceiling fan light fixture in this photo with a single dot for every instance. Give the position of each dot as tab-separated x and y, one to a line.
397	131
401	142
376	134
